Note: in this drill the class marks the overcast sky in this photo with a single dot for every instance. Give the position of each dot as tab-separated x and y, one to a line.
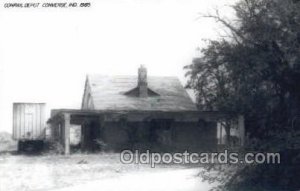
45	54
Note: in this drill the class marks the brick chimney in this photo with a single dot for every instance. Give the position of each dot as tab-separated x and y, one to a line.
142	82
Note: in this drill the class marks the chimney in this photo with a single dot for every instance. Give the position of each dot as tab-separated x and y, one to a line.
142	82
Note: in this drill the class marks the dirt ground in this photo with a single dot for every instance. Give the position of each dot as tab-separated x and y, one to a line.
93	172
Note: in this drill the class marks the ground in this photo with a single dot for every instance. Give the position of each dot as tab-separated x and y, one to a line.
7	143
92	172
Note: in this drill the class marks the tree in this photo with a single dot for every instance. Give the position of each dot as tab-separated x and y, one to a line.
255	71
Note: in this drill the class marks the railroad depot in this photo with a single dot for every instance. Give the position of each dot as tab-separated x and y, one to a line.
138	112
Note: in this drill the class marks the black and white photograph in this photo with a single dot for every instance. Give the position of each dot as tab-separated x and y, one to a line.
149	95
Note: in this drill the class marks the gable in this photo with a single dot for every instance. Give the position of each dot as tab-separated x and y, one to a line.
87	99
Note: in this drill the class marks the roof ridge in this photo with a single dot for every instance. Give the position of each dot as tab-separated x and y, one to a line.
125	75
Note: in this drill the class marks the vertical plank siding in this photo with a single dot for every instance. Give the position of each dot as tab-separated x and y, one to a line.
29	121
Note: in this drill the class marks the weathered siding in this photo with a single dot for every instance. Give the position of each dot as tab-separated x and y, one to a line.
180	136
87	100
29	121
194	136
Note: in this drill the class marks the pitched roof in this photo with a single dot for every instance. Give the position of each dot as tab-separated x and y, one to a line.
109	93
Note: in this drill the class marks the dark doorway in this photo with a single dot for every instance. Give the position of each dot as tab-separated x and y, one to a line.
90	133
160	131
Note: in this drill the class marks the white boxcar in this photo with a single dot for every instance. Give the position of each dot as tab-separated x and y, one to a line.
29	121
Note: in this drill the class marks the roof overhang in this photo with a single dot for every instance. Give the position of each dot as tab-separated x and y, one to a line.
78	116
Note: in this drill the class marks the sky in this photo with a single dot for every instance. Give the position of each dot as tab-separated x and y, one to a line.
45	53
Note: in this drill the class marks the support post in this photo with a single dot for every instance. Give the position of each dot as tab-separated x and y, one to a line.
85	132
67	133
241	127
101	121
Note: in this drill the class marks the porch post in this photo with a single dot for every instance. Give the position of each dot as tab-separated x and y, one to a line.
85	134
241	127
67	133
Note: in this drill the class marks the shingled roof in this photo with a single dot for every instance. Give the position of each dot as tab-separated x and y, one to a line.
111	93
